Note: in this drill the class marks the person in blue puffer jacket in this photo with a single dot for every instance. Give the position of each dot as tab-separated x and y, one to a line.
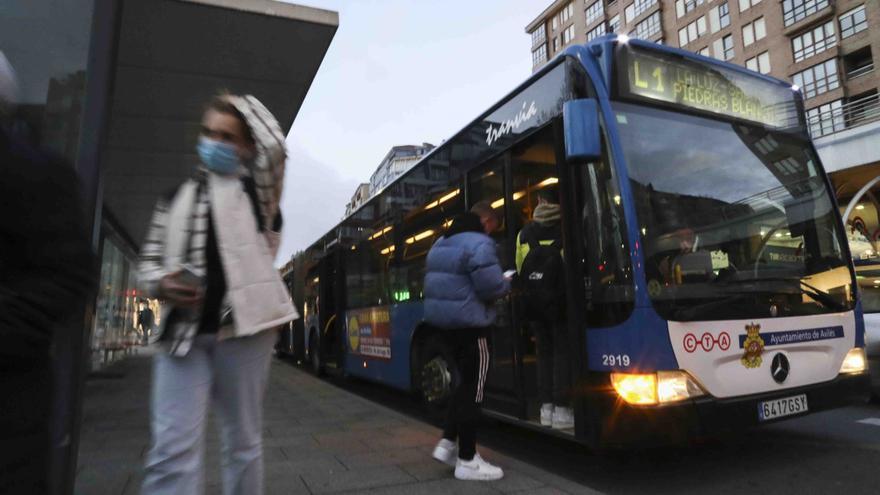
463	280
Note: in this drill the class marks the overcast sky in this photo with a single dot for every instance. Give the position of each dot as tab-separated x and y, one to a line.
397	72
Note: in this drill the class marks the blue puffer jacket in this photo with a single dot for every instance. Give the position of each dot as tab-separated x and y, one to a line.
463	278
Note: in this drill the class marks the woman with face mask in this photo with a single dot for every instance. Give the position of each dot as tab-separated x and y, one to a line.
209	255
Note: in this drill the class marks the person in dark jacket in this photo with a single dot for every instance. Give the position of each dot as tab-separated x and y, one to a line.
47	274
552	346
463	280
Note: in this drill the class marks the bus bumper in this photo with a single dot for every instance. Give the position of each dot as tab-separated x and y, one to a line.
630	426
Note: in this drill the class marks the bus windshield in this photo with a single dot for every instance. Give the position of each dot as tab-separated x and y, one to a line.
736	221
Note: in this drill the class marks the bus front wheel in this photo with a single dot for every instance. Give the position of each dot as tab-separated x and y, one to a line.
315	360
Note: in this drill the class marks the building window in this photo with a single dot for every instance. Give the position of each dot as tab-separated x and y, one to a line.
747	4
818	79
858	63
539	35
825	119
568	35
723	48
596	32
754	31
682	7
555	44
539	56
704	51
724	15
761	63
649	27
595	11
795	10
566	13
853	21
814	41
554	23
629	13
642	6
614	24
692	31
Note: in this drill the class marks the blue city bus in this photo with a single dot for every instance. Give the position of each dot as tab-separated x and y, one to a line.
709	285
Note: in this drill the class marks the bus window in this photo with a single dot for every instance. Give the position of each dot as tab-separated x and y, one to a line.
421	227
608	267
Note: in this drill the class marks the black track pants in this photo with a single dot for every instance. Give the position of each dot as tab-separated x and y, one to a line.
470	350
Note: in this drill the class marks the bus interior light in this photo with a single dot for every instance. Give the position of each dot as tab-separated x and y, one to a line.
673	386
640	389
855	361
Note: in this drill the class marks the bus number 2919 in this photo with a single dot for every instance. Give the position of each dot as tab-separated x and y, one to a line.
615	360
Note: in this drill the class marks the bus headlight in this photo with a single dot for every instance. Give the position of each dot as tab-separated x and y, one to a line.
655	388
855	361
674	386
635	389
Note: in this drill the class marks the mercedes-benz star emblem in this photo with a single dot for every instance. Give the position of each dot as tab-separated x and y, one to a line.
779	368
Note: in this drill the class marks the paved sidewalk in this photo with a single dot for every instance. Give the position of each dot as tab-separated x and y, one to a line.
318	439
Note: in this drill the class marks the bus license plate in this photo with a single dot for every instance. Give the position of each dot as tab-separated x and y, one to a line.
782	407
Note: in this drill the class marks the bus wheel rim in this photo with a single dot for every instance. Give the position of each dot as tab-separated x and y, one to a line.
436	379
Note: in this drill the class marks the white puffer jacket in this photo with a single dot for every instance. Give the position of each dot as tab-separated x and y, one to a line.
254	289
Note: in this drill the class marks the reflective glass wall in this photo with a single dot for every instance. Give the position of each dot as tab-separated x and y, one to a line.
47	42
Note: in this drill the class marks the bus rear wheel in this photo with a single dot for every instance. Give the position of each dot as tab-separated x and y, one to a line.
436	374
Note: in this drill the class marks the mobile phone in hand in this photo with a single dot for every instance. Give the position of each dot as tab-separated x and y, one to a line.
188	276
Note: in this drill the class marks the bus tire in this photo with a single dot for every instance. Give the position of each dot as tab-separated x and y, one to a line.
315	361
435	373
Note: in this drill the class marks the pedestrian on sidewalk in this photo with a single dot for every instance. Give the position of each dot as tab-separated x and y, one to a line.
463	280
209	255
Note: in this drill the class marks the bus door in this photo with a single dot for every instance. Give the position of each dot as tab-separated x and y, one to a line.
331	304
487	183
534	178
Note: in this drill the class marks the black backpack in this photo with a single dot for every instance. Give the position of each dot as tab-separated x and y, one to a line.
542	278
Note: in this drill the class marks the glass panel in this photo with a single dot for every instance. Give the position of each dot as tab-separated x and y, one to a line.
735	241
46	42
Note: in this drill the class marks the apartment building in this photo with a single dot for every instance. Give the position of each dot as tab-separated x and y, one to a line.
826	47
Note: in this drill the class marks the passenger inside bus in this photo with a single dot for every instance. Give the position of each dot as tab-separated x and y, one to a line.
540	266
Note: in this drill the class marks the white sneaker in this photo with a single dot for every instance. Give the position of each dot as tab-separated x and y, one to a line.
563	418
446	452
546	414
477	469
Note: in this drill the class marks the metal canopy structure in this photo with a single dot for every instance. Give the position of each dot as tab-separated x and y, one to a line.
172	56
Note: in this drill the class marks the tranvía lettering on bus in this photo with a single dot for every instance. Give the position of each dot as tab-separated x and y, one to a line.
493	134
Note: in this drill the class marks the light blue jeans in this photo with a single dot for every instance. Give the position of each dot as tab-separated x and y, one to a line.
231	375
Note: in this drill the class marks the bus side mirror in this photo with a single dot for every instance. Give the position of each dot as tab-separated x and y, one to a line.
580	119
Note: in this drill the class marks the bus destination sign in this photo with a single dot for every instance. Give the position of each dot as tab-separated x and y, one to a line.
706	87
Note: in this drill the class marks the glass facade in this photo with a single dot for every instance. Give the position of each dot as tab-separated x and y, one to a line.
47	43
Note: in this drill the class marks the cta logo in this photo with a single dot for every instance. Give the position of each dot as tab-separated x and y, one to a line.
706	342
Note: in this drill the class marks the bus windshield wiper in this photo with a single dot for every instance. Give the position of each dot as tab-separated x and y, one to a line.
818	295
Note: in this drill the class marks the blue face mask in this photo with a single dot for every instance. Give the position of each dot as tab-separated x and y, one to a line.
219	157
